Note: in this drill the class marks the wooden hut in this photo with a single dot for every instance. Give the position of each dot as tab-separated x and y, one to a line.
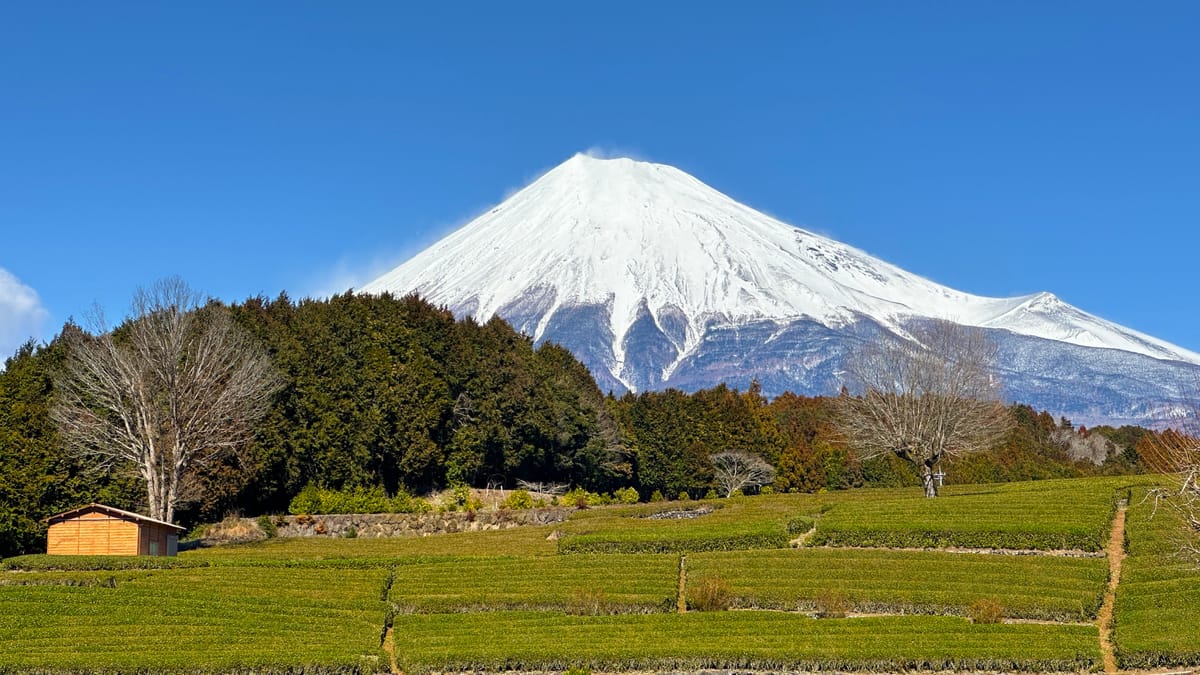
97	529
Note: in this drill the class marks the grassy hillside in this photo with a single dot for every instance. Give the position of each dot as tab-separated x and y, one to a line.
603	589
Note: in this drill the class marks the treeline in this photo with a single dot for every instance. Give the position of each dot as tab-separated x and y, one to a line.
393	393
671	435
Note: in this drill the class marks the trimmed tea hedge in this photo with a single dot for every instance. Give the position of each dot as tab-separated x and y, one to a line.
1157	612
503	599
734	640
598	543
1043	515
199	619
81	563
736	524
930	582
582	584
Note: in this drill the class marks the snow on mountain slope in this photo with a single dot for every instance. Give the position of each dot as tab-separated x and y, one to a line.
650	242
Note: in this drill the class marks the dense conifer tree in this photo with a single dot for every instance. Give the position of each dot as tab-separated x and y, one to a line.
394	393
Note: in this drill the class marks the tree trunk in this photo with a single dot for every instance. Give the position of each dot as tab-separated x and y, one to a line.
931	489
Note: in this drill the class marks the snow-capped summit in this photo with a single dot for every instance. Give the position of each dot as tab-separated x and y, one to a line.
655	279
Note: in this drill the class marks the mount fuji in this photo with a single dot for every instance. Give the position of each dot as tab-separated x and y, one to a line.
654	279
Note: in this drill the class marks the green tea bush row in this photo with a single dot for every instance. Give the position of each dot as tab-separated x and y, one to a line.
730	524
1147	659
911	582
58	563
313	500
249	669
1155	615
214	620
100	578
866	537
522	641
600	543
1042	515
90	563
576	584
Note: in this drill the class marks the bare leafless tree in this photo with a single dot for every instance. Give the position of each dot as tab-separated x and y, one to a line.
924	399
545	488
1176	454
736	470
175	387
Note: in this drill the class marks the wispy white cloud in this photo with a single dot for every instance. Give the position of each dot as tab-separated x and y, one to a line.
351	272
616	152
596	152
21	313
355	271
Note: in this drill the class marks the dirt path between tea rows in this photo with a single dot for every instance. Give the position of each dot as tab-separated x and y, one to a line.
1116	555
389	647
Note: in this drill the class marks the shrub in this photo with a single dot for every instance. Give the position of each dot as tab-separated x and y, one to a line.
308	501
351	532
267	526
657	496
832	604
589	602
580	498
313	500
800	525
627	496
711	494
710	594
518	499
684	496
767	490
462	495
986	610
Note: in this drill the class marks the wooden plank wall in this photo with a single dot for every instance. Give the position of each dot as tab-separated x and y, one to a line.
153	540
94	534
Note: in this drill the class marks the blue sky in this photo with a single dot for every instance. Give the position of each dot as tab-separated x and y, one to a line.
1000	148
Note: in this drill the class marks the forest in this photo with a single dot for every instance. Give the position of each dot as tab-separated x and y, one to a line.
394	393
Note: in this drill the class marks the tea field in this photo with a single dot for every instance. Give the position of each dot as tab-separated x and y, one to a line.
1158	600
994	577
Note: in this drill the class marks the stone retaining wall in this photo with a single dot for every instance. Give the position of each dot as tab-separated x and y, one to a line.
414	524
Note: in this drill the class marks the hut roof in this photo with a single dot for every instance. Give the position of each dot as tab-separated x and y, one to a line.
120	513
